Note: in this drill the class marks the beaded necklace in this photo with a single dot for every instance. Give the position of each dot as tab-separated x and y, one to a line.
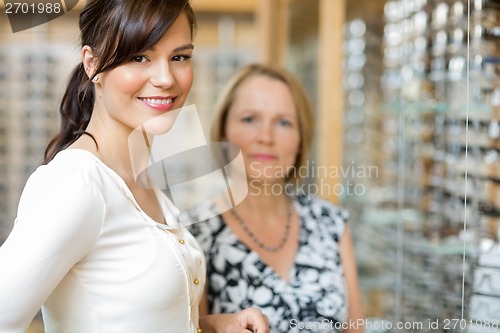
257	241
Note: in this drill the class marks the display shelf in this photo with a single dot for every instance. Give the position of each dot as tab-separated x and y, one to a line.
435	130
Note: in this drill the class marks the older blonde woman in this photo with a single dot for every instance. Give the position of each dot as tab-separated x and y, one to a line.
286	252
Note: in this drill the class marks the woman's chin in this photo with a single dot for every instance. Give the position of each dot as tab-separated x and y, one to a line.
269	184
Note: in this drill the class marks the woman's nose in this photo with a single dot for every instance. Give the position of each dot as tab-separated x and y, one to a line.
162	76
265	134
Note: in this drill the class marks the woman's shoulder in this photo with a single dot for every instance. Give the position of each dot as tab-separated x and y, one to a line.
321	206
207	231
69	172
77	158
64	189
316	211
62	199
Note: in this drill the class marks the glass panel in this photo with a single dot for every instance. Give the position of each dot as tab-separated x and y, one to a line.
423	109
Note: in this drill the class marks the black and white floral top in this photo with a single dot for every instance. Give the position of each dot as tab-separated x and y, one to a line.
312	300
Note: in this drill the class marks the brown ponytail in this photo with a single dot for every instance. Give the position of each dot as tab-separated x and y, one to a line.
75	109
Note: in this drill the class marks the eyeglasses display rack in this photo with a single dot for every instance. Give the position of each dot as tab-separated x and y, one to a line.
3	142
428	238
32	75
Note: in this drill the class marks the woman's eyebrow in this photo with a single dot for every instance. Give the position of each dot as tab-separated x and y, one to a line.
189	46
184	47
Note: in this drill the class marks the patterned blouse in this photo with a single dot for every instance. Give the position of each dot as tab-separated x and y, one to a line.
313	300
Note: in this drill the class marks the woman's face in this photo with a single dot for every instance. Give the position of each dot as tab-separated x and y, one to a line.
151	84
263	122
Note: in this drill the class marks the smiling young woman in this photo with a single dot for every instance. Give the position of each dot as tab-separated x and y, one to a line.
93	248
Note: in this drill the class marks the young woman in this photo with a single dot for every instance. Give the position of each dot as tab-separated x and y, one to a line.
92	247
288	253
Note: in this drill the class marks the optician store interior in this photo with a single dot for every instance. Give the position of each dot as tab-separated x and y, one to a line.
407	99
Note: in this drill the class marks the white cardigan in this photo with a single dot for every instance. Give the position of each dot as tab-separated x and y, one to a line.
83	248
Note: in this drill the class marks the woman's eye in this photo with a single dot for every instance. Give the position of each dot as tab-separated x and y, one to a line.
139	58
285	123
247	119
181	57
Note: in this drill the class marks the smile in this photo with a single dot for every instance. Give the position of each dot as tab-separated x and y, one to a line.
157	100
158	103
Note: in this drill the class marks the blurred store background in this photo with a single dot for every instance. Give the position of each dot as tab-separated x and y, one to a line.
407	96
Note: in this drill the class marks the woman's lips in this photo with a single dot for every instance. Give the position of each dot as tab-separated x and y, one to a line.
161	104
263	157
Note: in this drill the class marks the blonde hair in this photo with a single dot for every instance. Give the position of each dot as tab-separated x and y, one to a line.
300	99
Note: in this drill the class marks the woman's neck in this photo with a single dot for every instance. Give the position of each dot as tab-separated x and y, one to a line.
264	202
110	146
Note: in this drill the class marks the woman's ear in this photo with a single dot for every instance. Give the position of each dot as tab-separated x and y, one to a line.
89	62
